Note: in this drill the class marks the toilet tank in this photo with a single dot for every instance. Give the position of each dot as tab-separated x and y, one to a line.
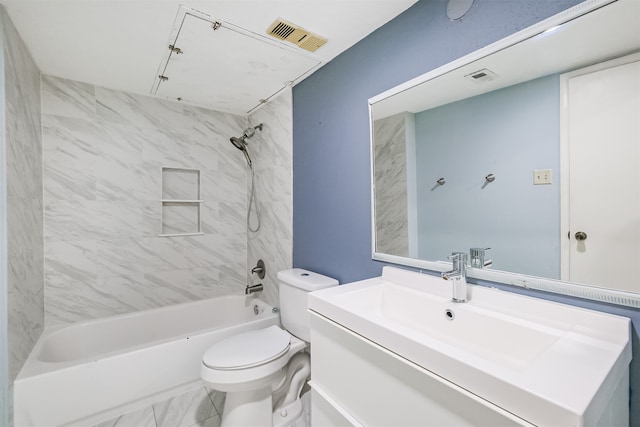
294	287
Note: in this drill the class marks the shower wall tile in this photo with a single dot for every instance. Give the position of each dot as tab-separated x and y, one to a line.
392	227
133	256
70	301
137	111
69	261
94	219
150	219
272	155
24	217
223	184
72	141
62	97
25	269
180	184
22	153
178	286
25	253
180	218
25	322
104	152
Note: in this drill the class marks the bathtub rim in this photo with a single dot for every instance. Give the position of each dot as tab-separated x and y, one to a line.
34	366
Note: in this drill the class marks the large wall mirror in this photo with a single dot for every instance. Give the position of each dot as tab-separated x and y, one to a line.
530	147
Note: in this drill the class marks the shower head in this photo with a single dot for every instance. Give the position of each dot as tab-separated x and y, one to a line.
241	142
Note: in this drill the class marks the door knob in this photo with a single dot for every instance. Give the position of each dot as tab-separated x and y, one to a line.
581	235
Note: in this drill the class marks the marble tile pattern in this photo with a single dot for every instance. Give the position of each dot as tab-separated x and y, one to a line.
142	418
103	153
25	286
272	154
392	232
201	407
194	408
185	410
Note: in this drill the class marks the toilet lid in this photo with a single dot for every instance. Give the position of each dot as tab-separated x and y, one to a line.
251	348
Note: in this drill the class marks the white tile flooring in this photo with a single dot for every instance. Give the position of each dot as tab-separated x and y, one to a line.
197	408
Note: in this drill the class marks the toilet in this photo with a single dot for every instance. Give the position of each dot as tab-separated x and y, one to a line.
263	370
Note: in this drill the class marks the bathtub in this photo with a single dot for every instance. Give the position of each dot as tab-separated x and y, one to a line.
88	372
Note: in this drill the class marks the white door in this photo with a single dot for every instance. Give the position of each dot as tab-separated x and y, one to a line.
601	189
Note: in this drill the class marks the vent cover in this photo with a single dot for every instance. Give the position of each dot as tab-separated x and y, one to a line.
483	75
292	33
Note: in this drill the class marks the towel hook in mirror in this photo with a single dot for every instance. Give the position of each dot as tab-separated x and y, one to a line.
441	181
490	178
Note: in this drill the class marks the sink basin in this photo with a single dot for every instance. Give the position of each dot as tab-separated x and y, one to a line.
462	326
549	363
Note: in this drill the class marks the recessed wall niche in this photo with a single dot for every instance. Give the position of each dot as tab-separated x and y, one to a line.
180	202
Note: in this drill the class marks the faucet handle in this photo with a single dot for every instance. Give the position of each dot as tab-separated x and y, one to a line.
459	256
478	257
458	260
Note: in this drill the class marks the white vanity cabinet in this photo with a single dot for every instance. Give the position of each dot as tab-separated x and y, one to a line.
356	382
395	351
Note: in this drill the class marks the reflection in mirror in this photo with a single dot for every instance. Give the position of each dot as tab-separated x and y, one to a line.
517	114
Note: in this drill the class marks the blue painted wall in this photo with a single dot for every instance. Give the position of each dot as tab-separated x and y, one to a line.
509	133
331	176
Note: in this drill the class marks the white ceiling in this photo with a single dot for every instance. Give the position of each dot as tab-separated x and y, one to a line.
120	44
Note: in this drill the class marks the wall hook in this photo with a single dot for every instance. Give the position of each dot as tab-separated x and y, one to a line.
490	178
441	181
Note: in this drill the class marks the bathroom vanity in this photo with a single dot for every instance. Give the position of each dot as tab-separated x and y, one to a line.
394	350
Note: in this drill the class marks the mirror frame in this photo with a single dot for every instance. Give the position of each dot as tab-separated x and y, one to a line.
515	279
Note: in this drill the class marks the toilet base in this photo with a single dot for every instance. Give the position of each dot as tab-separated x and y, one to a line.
244	409
247	408
287	415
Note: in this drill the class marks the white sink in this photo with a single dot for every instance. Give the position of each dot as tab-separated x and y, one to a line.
549	363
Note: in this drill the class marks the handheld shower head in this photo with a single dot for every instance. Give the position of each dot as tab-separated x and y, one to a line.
239	143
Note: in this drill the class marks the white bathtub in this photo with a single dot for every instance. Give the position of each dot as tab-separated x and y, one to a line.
87	372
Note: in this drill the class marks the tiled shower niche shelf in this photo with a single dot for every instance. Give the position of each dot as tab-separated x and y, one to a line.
180	202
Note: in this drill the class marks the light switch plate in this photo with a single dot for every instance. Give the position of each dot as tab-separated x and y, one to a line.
542	176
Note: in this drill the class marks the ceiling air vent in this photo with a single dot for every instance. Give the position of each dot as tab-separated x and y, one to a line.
292	33
483	75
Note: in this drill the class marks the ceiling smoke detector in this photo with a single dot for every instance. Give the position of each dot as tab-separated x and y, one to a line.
295	34
482	76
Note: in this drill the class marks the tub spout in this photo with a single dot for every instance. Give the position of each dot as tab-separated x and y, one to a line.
251	289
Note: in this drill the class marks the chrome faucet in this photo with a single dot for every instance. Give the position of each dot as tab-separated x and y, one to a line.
478	257
458	276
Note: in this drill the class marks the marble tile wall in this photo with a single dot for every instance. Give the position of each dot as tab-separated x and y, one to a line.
25	288
103	153
392	236
272	153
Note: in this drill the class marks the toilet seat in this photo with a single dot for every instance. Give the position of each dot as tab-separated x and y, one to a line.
248	349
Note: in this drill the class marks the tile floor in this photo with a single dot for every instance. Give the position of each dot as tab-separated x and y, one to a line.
197	408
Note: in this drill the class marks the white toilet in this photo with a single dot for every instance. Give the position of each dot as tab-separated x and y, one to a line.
264	370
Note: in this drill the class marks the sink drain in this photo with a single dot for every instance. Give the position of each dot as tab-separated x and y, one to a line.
449	314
